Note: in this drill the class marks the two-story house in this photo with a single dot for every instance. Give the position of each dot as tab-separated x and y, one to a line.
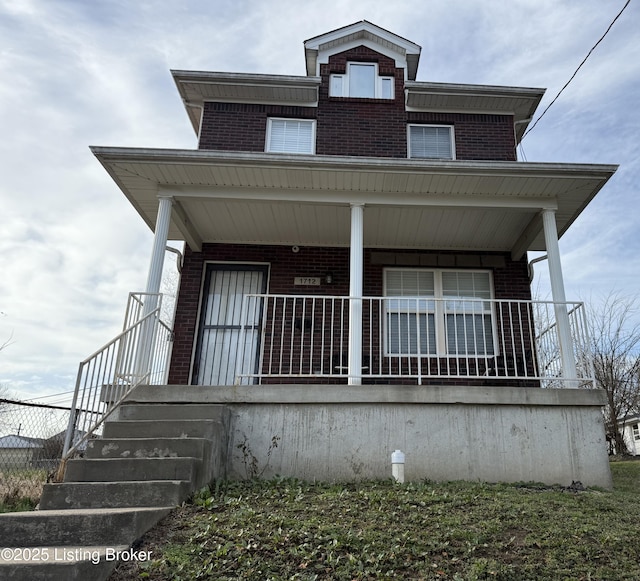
355	278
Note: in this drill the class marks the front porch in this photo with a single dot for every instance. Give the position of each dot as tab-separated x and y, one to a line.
303	362
491	421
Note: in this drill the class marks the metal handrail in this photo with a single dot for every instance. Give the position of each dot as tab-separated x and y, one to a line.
105	378
306	336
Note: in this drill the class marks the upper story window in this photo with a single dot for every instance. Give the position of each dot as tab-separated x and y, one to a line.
361	80
635	428
291	135
431	142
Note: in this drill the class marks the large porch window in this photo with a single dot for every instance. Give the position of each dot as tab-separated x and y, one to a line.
438	312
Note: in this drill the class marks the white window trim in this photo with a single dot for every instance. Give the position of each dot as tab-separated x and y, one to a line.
268	135
345	83
635	431
452	137
440	314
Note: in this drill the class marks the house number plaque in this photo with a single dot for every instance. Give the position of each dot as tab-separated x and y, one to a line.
306	281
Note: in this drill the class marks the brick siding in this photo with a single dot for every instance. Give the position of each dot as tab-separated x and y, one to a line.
510	282
356	127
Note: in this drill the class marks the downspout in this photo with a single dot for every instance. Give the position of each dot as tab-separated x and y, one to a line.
531	263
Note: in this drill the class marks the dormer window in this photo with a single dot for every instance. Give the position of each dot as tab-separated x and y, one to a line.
431	142
361	80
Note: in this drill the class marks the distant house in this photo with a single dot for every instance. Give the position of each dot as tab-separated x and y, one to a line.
356	276
21	452
17	452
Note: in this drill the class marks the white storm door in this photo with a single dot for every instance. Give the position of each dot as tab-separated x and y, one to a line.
222	336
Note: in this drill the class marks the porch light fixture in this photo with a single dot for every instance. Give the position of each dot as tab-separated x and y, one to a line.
328	278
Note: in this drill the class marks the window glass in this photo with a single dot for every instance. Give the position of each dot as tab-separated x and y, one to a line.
386	88
362	80
290	136
430	142
336	85
418	299
410	320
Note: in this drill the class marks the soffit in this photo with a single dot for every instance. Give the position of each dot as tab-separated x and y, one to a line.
304	200
196	87
521	102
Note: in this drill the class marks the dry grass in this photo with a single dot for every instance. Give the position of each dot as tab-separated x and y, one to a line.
287	529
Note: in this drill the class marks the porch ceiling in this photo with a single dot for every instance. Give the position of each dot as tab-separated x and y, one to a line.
280	199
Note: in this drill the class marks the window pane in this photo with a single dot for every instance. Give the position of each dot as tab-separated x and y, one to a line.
291	136
336	86
430	142
466	284
409	283
469	335
362	80
386	88
404	335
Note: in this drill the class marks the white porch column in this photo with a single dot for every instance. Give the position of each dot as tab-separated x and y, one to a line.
355	292
557	292
159	244
147	331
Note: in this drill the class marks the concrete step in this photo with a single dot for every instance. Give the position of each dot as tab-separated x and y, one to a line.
77	527
148	493
127	469
210	429
150	458
148	448
64	563
165	411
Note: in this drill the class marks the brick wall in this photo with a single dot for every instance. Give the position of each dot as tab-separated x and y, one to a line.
477	137
361	127
243	127
510	281
358	127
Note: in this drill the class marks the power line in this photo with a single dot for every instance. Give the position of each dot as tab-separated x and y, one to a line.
576	71
51	395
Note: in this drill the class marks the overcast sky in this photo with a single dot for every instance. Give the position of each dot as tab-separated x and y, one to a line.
75	73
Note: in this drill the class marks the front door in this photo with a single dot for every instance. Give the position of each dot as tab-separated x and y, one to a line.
222	336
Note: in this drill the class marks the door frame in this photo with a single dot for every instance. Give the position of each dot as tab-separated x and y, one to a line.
208	267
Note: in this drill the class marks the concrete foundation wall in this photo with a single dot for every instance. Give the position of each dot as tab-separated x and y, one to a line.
337	433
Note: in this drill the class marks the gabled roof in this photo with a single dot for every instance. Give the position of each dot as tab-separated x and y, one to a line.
319	48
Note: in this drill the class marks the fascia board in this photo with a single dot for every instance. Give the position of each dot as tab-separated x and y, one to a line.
497	168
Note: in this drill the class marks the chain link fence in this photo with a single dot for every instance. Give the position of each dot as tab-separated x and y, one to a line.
31	442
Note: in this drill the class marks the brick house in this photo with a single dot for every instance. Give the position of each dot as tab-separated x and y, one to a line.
355	237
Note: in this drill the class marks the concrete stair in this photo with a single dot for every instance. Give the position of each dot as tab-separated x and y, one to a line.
150	458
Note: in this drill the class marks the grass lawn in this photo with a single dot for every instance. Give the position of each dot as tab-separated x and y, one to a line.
288	529
20	489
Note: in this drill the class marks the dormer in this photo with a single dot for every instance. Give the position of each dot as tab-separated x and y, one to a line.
405	53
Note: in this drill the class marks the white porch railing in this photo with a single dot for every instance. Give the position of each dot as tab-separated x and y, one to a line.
292	337
140	354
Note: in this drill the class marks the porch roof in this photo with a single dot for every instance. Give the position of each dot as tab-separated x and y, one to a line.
265	198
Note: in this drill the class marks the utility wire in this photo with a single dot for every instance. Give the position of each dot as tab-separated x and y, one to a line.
576	71
50	395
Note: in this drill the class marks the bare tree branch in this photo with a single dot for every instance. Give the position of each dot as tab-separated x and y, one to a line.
615	349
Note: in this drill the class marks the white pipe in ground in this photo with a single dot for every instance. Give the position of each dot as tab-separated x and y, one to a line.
397	466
